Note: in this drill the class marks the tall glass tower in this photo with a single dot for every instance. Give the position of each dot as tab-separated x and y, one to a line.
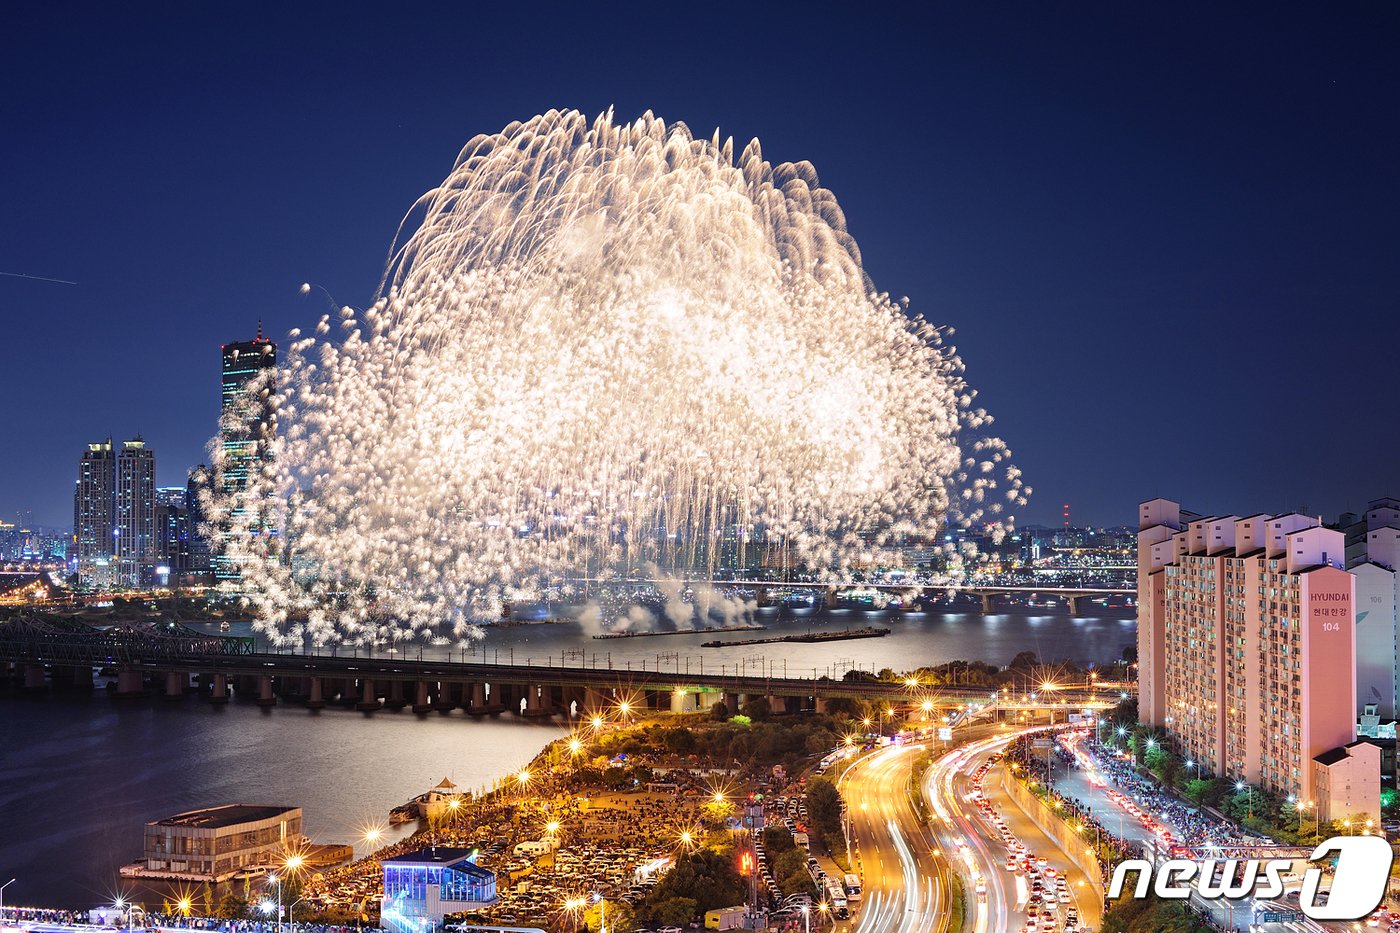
114	515
246	431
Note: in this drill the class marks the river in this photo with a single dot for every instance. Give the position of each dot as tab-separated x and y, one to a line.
81	774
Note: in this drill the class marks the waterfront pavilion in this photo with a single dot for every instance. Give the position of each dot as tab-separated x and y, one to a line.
423	887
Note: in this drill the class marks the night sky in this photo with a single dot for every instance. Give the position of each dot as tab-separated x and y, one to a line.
1166	235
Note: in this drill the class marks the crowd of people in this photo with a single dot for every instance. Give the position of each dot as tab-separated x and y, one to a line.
1192	826
130	918
1111	848
1189	826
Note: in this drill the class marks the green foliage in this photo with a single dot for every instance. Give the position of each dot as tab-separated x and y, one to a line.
674	911
704	877
231	906
680	741
957	904
1150	915
824	807
757	709
776	841
789	743
790	872
1196	790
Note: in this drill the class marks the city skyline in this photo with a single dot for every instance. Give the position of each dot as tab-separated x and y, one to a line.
1183	264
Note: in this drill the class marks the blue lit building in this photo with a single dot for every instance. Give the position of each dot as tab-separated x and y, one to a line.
420	888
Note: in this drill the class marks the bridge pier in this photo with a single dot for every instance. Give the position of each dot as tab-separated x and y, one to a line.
422	702
79	677
395	699
130	683
369	698
448	697
595	700
176	685
684	701
573	701
778	706
1073	602
314	697
987	604
831	600
477	701
535	703
34	677
220	691
266	698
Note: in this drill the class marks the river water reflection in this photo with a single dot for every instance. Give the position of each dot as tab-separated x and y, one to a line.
81	774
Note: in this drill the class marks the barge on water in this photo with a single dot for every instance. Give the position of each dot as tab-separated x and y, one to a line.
868	631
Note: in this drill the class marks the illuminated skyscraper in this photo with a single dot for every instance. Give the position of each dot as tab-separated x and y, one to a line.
135	529
247	428
94	499
114	515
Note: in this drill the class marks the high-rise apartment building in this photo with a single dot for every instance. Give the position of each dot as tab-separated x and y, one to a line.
114	526
1373	557
94	502
247	428
136	514
1247	644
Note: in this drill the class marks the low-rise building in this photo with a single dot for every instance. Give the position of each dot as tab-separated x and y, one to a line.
423	887
1347	781
216	843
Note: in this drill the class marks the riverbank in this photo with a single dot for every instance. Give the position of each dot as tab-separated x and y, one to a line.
83	774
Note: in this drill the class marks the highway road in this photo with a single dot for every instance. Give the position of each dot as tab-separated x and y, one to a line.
978	852
903	878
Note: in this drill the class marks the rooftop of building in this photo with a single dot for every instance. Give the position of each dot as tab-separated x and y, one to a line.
1331	756
231	814
457	859
1341	752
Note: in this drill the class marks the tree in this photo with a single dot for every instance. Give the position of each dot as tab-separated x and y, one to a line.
790	871
231	906
1196	790
680	741
776	841
674	911
824	806
707	878
719	712
758	709
1024	662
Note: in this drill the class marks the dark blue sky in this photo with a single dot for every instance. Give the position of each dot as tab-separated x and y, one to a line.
1167	235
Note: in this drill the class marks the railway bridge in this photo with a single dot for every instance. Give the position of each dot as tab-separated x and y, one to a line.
39	653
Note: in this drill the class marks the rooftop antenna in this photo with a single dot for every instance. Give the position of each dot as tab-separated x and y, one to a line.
259	328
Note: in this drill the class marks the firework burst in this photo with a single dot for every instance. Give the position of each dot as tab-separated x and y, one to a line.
603	348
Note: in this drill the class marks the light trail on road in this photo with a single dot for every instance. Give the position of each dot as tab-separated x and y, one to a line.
904	879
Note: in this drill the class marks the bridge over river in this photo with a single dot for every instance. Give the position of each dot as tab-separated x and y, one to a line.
39	653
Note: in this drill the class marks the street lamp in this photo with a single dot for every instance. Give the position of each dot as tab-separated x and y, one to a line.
602	912
807	917
1241	786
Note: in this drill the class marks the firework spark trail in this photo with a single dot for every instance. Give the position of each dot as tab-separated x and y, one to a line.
602	344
